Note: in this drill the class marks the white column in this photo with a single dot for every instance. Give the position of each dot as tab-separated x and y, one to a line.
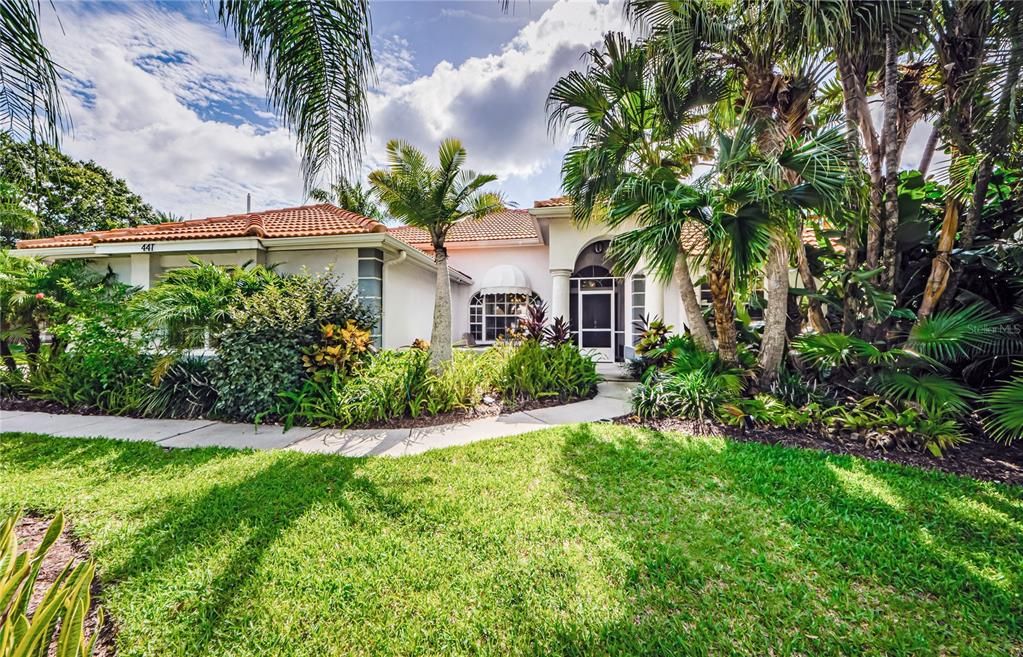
141	270
560	293
654	298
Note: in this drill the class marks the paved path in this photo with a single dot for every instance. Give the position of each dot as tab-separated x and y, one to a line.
611	401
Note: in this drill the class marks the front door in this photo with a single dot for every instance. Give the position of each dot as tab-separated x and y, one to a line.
596	323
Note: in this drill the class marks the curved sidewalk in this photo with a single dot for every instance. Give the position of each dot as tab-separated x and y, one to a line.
612	400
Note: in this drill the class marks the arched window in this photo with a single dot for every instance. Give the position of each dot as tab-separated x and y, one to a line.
492	316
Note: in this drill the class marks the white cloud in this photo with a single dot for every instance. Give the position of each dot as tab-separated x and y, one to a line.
495	104
140	80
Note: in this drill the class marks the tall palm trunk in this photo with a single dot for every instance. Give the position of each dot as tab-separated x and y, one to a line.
968	233
941	265
929	148
772	346
691	304
814	312
890	139
719	280
440	337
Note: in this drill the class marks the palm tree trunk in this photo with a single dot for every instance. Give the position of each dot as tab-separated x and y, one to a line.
941	265
772	347
8	357
440	337
724	308
968	233
814	312
889	261
929	148
691	304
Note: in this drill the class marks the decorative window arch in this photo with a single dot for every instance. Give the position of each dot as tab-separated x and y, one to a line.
494	315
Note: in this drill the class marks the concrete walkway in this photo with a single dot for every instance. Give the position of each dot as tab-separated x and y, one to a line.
611	401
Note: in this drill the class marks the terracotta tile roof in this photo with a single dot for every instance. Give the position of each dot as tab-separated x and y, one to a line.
554	202
303	221
503	225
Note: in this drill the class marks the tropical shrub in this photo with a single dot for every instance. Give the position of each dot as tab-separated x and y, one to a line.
341	349
536	371
181	387
558	333
882	424
103	364
689	389
57	625
192	305
260	352
764	410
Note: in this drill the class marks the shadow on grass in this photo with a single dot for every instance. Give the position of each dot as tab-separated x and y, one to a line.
209	528
753	549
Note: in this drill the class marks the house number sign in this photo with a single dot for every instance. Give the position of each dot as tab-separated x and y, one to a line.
148	248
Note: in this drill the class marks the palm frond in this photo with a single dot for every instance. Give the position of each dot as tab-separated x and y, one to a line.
953	335
317	61
31	106
1004	406
932	392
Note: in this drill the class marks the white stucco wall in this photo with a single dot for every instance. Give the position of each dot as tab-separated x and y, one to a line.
532	260
344	262
408	303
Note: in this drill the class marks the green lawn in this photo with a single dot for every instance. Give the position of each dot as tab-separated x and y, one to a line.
578	540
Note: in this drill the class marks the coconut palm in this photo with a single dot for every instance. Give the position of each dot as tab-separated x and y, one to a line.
435	198
315	57
630	117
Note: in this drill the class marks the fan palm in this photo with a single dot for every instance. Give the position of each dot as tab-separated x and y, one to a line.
435	199
762	49
315	56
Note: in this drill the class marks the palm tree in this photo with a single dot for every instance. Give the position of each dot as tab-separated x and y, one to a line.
191	304
350	196
761	47
435	199
741	204
979	51
315	56
631	117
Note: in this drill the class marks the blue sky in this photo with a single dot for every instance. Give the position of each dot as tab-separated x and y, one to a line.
159	94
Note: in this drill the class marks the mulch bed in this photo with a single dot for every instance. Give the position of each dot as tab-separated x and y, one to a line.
30	530
981	458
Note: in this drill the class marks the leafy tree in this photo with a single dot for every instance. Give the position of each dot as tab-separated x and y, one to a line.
315	57
435	199
15	218
66	195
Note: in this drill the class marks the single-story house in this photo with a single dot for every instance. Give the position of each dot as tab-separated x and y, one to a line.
497	265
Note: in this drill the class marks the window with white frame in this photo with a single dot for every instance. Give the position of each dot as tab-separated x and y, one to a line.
638	307
493	316
371	288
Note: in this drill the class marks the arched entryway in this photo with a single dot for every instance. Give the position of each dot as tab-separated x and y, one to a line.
597	304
